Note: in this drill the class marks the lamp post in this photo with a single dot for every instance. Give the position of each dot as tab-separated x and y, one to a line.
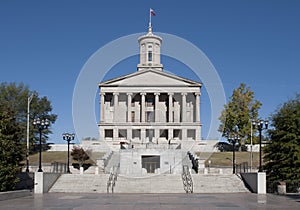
233	139
27	136
260	126
251	146
68	137
41	125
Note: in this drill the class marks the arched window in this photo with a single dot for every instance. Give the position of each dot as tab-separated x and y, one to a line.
150	56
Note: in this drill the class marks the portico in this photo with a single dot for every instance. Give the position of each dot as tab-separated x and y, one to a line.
149	105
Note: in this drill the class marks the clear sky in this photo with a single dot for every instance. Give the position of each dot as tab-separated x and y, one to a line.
45	44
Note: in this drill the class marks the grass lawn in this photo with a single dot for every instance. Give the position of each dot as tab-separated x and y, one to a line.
217	158
61	157
225	158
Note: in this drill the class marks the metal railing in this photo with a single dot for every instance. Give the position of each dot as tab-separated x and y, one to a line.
194	161
112	179
187	179
57	167
242	168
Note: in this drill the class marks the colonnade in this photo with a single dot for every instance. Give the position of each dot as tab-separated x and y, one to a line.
170	107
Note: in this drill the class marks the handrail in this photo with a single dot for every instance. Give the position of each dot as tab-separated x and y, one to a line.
194	160
112	179
187	179
241	168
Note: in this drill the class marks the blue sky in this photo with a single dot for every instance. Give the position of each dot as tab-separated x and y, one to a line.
45	44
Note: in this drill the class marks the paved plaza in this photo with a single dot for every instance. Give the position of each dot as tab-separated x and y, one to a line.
65	201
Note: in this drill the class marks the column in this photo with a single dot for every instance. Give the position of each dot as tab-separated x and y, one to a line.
129	107
156	135
116	99
115	134
197	107
143	108
171	107
143	135
184	134
102	97
129	134
170	133
102	134
197	137
183	104
156	118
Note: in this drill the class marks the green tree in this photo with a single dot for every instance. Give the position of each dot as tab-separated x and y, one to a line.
282	155
80	155
239	111
11	149
16	97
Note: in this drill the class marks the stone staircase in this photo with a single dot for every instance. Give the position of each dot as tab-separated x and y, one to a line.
218	183
81	183
114	161
162	183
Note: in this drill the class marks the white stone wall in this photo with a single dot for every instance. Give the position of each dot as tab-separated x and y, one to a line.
131	161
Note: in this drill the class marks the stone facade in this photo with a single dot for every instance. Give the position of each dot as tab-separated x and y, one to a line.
150	118
149	105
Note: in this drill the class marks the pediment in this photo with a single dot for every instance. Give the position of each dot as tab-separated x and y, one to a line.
150	78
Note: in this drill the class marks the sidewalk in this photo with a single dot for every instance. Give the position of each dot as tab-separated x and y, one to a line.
64	201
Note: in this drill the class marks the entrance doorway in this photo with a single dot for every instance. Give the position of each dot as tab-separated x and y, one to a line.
150	163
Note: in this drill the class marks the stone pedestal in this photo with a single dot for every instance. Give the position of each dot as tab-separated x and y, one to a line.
38	182
261	183
281	188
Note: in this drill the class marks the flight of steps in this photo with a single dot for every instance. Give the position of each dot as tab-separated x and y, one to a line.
162	183
114	161
81	183
218	183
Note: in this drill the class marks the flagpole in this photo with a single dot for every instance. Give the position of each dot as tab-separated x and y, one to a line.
150	24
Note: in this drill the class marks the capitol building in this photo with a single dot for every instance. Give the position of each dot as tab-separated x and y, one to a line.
150	117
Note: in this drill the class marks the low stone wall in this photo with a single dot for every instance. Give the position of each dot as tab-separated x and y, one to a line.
213	170
49	180
14	194
25	181
250	180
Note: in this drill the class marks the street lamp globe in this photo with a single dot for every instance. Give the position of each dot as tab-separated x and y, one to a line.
40	125
68	137
260	126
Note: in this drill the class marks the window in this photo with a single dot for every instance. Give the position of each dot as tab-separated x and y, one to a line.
150	116
109	99
163	133
123	133
132	116
150	56
150	100
108	133
191	134
136	133
177	134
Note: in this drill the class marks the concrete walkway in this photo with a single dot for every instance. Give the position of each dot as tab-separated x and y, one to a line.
64	201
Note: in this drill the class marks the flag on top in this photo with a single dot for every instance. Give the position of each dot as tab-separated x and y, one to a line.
152	13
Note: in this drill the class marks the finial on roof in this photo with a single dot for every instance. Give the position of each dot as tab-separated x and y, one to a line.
149	30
